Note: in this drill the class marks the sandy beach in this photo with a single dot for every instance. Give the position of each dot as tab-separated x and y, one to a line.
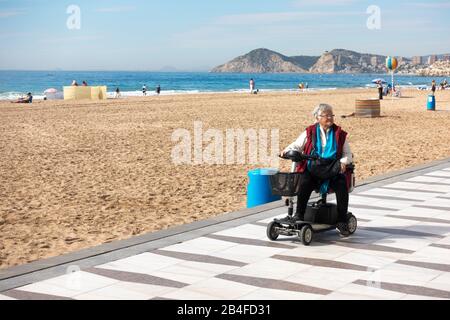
78	174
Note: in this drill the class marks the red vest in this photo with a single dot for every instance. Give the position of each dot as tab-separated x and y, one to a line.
340	135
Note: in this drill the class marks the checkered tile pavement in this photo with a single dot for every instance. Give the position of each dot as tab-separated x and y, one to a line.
400	251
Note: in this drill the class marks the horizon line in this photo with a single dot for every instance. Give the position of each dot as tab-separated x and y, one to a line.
100	70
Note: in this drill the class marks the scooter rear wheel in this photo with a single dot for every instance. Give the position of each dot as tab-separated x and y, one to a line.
272	233
306	234
352	224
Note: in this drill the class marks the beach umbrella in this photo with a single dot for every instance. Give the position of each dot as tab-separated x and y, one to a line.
51	90
379	80
53	94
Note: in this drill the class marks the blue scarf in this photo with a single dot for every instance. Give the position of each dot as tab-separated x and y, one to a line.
329	152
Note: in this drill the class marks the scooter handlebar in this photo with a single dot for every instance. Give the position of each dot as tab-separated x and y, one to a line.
309	157
296	156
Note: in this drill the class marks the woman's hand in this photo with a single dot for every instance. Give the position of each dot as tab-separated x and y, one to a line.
343	167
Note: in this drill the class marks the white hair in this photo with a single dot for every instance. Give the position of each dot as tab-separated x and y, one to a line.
323	107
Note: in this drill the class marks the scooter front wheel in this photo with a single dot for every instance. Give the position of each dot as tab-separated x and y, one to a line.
272	232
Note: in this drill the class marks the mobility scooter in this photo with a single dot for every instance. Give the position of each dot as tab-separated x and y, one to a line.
320	216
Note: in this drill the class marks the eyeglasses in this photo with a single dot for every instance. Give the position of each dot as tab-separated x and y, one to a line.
328	117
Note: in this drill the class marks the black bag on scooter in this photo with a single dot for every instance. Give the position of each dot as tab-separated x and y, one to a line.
324	169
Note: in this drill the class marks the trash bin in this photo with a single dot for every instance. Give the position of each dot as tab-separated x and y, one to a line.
431	105
259	190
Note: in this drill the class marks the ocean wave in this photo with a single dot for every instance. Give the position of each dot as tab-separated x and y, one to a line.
14	95
110	95
152	93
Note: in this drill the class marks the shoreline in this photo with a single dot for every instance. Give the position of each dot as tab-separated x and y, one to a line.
138	94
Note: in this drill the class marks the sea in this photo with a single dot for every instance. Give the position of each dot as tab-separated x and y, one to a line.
14	84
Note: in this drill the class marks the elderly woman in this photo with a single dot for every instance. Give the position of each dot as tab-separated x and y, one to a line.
330	143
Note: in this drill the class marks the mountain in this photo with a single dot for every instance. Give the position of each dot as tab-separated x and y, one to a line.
335	61
346	61
263	61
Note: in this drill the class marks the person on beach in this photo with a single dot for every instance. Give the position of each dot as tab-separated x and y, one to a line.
85	84
433	87
327	140
158	89
388	89
252	85
380	90
27	99
117	96
144	90
397	92
74	83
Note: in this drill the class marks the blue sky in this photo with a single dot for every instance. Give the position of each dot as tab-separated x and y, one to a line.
200	34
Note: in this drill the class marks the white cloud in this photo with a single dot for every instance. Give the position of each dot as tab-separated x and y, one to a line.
270	36
13	34
304	3
116	9
431	5
11	13
274	17
70	39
